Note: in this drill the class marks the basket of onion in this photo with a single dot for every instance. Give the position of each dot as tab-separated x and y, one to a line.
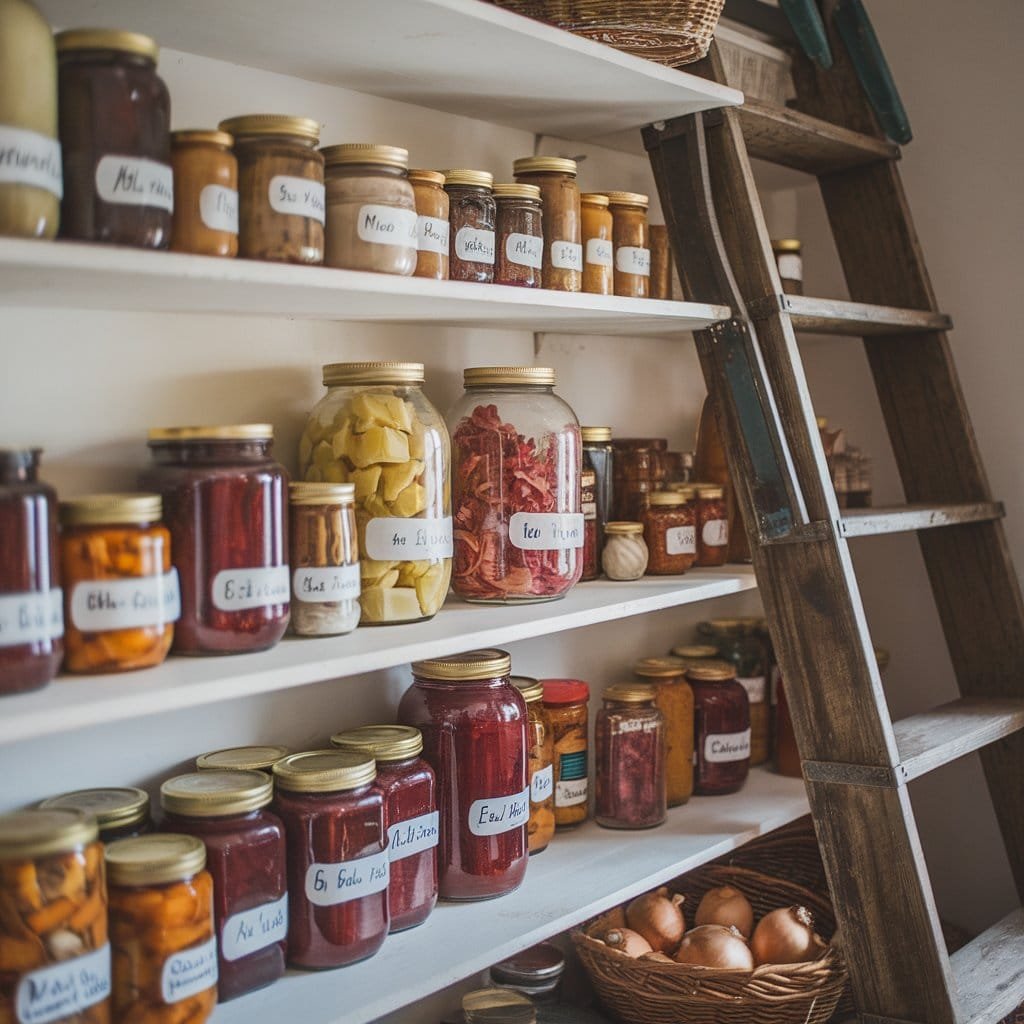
724	945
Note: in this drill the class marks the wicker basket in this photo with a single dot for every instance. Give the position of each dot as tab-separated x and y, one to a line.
668	31
649	992
790	853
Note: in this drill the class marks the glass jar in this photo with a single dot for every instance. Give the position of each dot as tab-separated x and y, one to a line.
520	240
162	933
694	654
790	264
712	525
121	595
639	468
431	224
598	251
115	134
497	1006
53	930
245	856
631	238
31	602
32	181
588	503
535	972
472	215
540	772
474	726
629	759
324	559
597	455
709	465
515	487
721	730
226	506
120	813
205	193
281	201
333	817
661	262
243	759
673	696
377	430
625	555
670	530
565	701
563	229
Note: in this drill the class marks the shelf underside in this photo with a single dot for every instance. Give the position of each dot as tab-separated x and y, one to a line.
873	522
813	315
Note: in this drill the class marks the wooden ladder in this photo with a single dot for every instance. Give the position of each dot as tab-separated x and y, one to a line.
857	761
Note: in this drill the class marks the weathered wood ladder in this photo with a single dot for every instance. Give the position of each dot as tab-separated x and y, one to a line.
857	762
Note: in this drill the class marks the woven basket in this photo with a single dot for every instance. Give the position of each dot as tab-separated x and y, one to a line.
790	853
648	992
670	31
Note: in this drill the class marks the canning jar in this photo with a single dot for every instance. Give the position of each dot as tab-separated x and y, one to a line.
694	654
670	531
53	929
629	759
324	559
565	701
245	856
515	487
411	819
226	506
540	772
631	239
520	239
790	264
588	504
431	223
281	202
205	193
31	184
598	252
31	602
337	856
471	217
243	759
115	134
712	525
639	467
371	209
121	596
673	696
474	726
535	972
119	812
377	430
625	555
710	465
161	929
597	455
563	231
721	730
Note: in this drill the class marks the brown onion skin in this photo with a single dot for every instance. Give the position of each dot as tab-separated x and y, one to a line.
786	936
728	907
716	947
627	942
658	917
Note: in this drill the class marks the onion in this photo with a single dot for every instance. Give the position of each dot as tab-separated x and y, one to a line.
713	945
658	958
625	940
787	936
726	906
658	917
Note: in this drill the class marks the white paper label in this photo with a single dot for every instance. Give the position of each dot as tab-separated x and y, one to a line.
297	197
546	531
189	972
756	687
132	181
474	246
234	590
499	814
681	540
409	540
791	266
28	158
387	225
330	884
432	235
30	618
631	260
728	746
567	255
252	930
715	533
218	208
64	990
599	251
542	784
414	835
134	603
326	584
526	250
569	794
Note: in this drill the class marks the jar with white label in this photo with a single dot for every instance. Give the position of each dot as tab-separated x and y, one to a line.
598	252
712	525
721	730
631	239
670	531
376	430
205	193
790	264
540	772
565	703
432	236
472	216
563	229
520	240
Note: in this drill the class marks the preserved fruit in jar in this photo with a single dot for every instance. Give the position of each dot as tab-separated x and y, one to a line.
721	730
565	701
119	812
598	250
670	532
540	775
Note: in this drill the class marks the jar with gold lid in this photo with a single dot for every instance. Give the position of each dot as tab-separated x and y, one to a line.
120	812
721	730
540	764
673	696
631	238
670	531
712	525
519	236
790	264
242	758
472	216
205	193
598	249
563	229
625	555
432	235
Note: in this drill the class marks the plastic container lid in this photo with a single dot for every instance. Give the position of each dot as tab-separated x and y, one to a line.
565	691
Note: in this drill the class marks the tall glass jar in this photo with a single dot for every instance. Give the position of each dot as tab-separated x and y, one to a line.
670	530
598	250
709	465
205	193
588	503
472	216
519	249
474	726
673	697
242	759
721	730
115	133
563	230
516	487
226	505
540	764
597	455
712	525
120	812
631	238
565	701
377	430
432	235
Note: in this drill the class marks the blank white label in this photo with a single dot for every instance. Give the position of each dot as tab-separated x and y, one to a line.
327	885
542	784
30	618
387	225
681	540
756	687
414	835
252	930
432	235
189	972
297	197
631	260
567	255
474	246
235	590
132	181
218	208
569	794
546	531
791	266
326	584
409	540
728	746
526	250
28	158
101	605
64	990
499	814
599	251
715	533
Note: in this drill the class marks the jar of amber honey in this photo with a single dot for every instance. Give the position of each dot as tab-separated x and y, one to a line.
432	236
205	193
598	251
631	238
563	230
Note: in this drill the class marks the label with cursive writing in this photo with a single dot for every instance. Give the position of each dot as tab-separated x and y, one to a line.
189	972
29	618
395	539
474	245
432	235
235	590
498	814
631	260
681	540
63	991
218	208
326	584
526	250
386	225
567	255
546	531
330	884
728	746
414	835
135	602
297	197
252	930
542	784
28	158
599	251
134	181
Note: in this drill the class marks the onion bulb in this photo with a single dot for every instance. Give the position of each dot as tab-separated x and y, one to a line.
713	945
786	936
658	917
726	906
626	941
658	958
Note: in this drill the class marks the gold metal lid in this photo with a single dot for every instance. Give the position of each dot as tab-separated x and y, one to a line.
514	191
384	742
37	833
629	693
821	422
733	625
111	807
366	153
155	859
628	199
213	138
595	199
325	771
531	689
463	176
673	497
107	39
659	667
620	527
719	672
481	376
691	651
596	433
422	176
272	124
111	510
242	758
216	794
709	491
785	245
537	164
494	1005
302	492
486	664
372	373
229	432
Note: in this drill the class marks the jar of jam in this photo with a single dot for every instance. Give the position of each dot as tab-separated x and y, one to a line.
337	856
205	193
115	134
474	726
563	229
629	759
431	223
565	701
670	532
661	262
472	216
588	503
245	856
598	251
721	730
673	697
520	239
226	506
120	813
712	525
540	764
625	556
242	759
282	206
631	238
790	264
410	817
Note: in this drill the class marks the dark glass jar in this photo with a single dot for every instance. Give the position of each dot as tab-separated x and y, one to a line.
472	216
670	531
712	525
597	457
540	775
673	697
115	134
226	505
337	856
410	817
242	759
31	602
474	725
519	252
721	730
120	813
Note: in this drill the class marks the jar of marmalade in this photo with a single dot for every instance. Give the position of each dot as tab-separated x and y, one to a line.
205	193
565	701
673	696
598	249
540	765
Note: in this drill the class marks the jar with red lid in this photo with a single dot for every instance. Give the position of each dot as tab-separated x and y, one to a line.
242	759
721	730
712	525
670	532
337	856
473	722
120	812
565	701
410	816
245	855
540	764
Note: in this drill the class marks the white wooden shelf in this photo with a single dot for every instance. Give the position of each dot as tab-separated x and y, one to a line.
581	874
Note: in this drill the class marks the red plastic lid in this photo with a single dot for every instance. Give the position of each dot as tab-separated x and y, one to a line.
565	691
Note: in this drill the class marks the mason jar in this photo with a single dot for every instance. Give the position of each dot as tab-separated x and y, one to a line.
563	229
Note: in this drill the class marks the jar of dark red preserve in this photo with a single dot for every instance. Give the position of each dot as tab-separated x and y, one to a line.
721	730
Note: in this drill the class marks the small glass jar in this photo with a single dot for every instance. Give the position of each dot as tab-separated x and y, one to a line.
377	430
162	933
245	855
121	596
282	205
565	701
520	239
588	502
563	229
472	215
324	559
670	531
338	873
535	972
53	929
242	759
432	236
115	121
694	654
661	262
721	730
625	555
540	764
411	819
631	238
598	250
205	193
790	264
515	487
712	525
673	696
474	726
120	813
629	759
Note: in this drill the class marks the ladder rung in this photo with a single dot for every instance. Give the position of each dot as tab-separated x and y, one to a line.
871	522
989	972
859	319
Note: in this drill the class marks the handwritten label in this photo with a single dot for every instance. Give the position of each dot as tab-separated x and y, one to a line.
432	235
326	584
499	814
189	972
567	255
526	250
756	687
715	533
474	246
546	531
393	539
631	260
133	603
542	784
235	590
218	208
63	991
681	540
729	746
330	884
252	930
791	266
599	251
387	225
624	726
297	197
414	835
569	794
133	181
28	158
29	618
